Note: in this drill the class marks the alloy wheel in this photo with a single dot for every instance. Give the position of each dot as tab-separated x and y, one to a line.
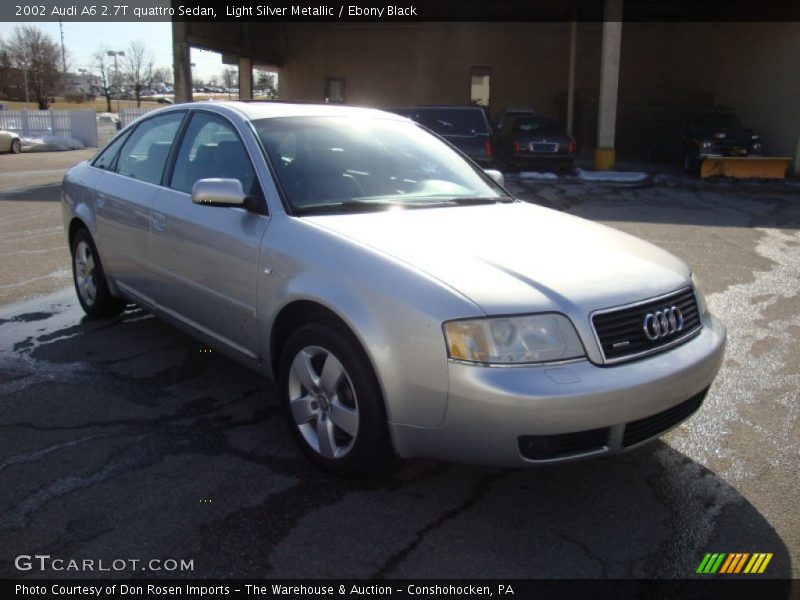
85	273
323	402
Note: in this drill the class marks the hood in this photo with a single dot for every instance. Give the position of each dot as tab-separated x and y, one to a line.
518	257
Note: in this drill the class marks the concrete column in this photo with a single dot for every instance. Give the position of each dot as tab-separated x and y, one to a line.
182	63
609	78
245	78
573	45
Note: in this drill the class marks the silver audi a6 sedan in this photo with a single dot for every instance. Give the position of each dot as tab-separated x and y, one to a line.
402	300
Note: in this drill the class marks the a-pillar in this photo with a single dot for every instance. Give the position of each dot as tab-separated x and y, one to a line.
604	154
181	63
245	78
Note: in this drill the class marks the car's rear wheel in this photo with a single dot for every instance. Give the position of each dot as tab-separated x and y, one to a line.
333	401
691	164
90	280
16	146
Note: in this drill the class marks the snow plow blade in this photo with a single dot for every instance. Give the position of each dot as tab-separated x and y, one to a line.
745	167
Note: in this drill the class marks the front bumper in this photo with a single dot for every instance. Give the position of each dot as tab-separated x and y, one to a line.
490	410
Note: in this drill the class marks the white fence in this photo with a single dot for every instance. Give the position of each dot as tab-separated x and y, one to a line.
128	115
78	124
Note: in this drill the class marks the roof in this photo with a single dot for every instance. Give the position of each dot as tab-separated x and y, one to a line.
265	110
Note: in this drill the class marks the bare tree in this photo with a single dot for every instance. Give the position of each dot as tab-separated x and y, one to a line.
105	71
162	75
266	82
33	52
229	75
138	67
11	84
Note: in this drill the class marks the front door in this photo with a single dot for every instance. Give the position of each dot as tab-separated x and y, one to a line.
205	258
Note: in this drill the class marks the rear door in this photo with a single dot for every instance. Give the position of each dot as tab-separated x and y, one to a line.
124	194
205	258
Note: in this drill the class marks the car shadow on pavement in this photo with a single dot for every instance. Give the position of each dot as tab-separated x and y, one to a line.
125	438
39	193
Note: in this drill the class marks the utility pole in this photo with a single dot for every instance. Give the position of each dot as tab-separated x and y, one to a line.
63	51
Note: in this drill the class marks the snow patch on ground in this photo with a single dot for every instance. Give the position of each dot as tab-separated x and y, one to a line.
106	117
612	176
537	175
48	143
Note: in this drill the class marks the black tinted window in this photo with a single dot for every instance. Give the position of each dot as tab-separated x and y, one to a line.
448	121
536	125
145	153
715	121
212	149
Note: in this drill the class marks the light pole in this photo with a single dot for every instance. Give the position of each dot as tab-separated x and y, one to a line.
115	54
83	83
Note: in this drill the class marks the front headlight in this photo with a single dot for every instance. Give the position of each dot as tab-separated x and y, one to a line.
702	307
513	340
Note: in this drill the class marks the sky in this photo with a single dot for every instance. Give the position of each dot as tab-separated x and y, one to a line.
82	39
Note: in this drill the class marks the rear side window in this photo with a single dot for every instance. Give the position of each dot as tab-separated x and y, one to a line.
105	160
452	121
212	148
145	153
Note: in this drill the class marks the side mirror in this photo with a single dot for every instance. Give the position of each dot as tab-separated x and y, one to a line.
496	176
218	192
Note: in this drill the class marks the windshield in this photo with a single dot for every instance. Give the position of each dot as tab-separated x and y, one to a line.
350	163
536	125
715	121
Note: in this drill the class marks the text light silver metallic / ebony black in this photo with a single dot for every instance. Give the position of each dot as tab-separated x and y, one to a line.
403	301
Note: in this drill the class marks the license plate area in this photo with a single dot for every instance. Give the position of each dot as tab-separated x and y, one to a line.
543	147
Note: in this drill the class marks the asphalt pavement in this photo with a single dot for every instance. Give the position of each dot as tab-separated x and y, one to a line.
126	439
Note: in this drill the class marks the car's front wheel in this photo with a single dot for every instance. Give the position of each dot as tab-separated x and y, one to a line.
90	280
16	146
334	402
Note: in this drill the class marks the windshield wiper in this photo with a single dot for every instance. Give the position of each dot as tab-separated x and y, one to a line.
463	201
347	206
350	206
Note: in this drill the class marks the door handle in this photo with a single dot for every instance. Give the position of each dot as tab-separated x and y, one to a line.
158	221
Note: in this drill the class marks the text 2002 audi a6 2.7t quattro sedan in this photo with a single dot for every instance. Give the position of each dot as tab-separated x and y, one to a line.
401	298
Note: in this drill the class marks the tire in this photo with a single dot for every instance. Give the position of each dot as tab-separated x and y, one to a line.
340	425
16	146
90	280
691	164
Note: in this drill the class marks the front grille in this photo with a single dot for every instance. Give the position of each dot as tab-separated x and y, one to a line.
649	427
545	447
621	331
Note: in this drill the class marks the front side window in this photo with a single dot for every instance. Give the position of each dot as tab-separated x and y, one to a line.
144	155
212	149
352	163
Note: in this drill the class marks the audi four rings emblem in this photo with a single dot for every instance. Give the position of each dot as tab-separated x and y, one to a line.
663	322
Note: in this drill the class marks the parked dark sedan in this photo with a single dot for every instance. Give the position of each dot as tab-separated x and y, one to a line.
691	136
534	141
465	127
